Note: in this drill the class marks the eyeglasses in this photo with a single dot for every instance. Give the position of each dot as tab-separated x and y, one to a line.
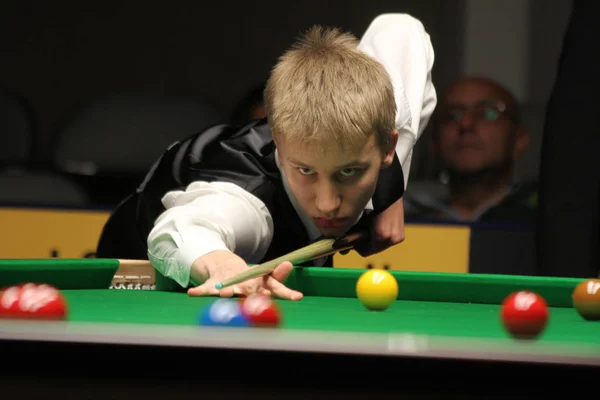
482	111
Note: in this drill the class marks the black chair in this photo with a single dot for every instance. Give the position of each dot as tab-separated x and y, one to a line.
109	145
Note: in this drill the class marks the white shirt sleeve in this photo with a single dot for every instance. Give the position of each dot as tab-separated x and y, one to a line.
401	44
207	217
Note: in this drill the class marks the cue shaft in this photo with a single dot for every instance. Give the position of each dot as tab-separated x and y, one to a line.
318	249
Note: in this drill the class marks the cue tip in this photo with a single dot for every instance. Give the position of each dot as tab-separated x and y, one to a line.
219	285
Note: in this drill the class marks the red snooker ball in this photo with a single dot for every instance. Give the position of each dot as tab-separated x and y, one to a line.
261	311
32	301
524	314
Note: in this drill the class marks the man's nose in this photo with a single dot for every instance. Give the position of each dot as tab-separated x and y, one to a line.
466	121
328	199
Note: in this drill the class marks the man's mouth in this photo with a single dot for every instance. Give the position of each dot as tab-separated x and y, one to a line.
331	222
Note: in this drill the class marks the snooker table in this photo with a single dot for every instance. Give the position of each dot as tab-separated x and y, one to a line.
444	328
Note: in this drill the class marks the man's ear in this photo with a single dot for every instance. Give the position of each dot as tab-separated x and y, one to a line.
521	142
276	142
388	156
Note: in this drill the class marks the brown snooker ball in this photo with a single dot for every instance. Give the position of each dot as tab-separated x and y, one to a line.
586	299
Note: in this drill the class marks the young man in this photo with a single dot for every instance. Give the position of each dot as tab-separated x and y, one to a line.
232	196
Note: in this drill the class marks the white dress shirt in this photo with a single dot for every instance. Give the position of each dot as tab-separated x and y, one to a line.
209	216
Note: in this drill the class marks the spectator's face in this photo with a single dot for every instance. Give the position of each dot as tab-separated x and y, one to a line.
477	129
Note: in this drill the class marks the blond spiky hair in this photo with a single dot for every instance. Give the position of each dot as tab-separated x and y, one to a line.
325	89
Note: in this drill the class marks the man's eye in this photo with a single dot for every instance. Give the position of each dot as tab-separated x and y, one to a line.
454	115
348	172
305	171
490	114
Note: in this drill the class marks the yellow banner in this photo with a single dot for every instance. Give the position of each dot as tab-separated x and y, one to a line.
40	233
427	248
43	233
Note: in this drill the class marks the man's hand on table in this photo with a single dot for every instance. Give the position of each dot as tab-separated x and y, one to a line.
219	265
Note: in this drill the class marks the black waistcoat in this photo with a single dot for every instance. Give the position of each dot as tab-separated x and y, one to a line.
243	156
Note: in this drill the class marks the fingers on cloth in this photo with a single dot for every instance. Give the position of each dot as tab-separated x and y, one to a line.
274	283
281	291
272	286
209	288
245	288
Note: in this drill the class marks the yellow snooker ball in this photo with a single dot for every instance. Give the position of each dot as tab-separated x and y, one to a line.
377	289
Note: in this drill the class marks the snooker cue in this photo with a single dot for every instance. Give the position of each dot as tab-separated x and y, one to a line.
315	250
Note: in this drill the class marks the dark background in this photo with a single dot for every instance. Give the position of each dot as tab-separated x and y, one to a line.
62	54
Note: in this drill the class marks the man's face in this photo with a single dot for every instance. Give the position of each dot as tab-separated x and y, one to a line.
332	184
477	131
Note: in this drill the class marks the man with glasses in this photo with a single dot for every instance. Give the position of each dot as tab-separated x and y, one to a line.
478	139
